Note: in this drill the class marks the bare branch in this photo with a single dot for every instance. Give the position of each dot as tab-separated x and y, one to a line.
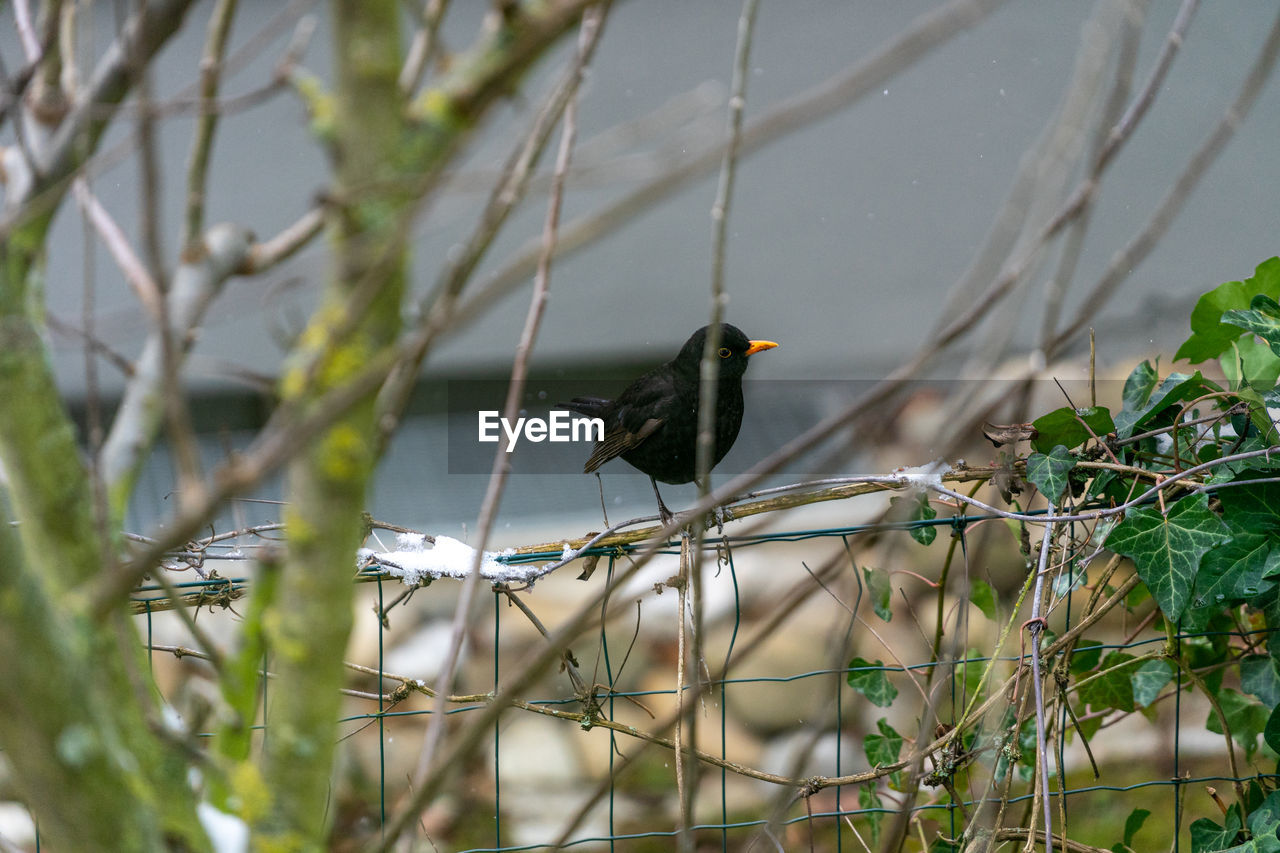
78	134
26	31
135	271
262	256
137	420
425	44
215	48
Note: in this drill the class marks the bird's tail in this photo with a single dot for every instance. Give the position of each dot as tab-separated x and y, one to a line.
592	407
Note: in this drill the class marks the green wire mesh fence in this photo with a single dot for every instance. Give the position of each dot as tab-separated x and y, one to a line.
837	789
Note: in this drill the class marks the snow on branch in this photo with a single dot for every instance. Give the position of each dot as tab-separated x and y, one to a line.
420	559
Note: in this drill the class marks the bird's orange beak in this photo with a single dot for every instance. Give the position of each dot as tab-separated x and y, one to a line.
756	346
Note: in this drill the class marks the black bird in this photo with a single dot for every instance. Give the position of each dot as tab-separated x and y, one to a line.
654	422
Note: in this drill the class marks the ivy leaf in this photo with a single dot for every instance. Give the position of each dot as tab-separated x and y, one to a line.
1210	337
1062	426
1258	677
872	681
1252	506
1111	689
1246	717
1208	837
1262	318
877	581
1149	679
983	597
1250	362
1230	573
1176	388
869	801
1271	731
1049	471
1132	824
1086	656
1138	385
883	748
1166	549
1264	821
916	508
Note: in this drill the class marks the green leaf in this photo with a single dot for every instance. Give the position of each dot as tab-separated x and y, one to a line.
870	801
1176	388
1251	506
1258	677
872	681
1208	837
1246	717
1113	688
1086	656
1262	318
1250	362
983	597
1049	471
1271	731
916	508
1133	823
1166	549
1263	822
1139	384
1209	336
1062	426
878	587
884	748
1231	573
1149	679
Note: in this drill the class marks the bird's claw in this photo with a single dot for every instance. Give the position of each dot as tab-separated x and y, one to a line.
720	515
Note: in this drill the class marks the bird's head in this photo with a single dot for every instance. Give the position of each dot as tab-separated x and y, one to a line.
734	350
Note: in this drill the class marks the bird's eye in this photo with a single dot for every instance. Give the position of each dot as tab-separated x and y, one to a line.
725	352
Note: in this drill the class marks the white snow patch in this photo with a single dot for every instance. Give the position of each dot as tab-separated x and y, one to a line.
227	833
415	560
924	476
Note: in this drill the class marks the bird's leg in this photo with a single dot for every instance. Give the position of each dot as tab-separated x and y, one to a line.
663	513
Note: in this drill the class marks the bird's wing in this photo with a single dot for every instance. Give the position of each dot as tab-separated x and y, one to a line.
618	441
639	410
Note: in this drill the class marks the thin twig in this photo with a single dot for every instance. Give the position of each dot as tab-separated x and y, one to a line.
425	44
686	765
215	48
26	31
709	377
1035	628
113	237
